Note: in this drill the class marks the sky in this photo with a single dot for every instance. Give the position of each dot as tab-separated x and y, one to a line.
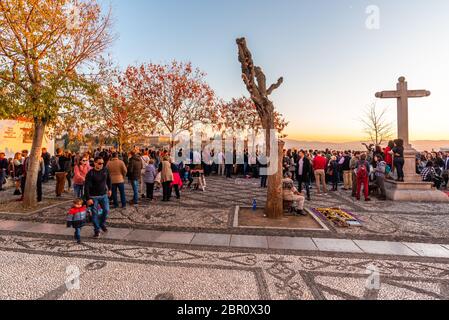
332	63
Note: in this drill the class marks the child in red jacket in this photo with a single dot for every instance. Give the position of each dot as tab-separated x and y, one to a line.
76	218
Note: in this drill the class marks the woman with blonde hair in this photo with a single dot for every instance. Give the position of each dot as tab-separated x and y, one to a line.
166	177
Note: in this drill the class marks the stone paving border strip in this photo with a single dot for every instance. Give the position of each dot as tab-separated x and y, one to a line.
343	246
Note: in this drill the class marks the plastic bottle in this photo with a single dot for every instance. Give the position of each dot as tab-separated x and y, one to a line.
254	205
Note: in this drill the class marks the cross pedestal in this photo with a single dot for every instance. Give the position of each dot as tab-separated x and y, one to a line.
412	189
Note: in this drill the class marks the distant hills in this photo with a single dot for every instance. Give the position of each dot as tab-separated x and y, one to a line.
420	145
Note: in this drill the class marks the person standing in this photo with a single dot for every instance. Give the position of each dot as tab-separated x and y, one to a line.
76	218
303	168
79	178
166	177
40	177
229	163
319	166
363	169
98	190
177	182
134	174
145	161
221	163
353	166
3	170
446	170
117	170
46	157
398	152
380	171
150	176
262	161
60	172
333	171
389	157
347	174
17	172
69	164
25	161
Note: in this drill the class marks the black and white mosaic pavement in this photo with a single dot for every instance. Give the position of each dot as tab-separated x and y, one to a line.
43	267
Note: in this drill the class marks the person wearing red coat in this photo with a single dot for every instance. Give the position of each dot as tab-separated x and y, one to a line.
76	218
319	167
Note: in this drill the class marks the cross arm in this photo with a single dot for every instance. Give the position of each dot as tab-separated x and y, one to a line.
388	95
418	93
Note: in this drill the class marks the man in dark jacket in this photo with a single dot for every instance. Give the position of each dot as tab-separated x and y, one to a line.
303	170
3	169
98	188
347	172
46	157
135	167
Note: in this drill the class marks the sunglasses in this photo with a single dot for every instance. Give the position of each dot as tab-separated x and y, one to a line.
100	163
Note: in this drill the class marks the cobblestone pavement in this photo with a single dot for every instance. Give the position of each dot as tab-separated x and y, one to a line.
39	268
213	211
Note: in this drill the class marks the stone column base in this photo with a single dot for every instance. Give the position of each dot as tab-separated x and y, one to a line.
414	191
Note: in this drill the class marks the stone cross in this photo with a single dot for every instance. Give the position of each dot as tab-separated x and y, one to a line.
402	94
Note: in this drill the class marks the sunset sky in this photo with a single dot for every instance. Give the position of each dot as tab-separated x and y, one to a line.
332	63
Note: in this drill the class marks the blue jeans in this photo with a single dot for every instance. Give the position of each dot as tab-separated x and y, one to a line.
78	234
98	220
135	185
79	190
121	188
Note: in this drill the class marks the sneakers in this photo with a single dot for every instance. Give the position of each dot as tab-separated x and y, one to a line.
367	199
96	235
105	230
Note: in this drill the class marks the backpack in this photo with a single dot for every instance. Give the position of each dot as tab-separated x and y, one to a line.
362	172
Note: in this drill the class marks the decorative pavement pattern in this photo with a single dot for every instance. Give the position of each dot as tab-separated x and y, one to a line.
213	211
36	268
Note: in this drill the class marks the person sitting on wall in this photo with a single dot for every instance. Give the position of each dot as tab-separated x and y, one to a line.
290	193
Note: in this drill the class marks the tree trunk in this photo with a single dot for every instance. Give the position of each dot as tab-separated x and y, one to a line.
275	207
30	198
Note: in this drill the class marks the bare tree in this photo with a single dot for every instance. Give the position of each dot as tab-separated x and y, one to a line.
376	125
256	83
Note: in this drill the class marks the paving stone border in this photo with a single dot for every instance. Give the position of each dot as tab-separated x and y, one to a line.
384	248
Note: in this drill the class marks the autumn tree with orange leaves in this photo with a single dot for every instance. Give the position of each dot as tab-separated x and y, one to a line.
115	113
175	95
43	45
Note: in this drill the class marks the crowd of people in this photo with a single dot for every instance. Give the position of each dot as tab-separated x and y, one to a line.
354	169
98	178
